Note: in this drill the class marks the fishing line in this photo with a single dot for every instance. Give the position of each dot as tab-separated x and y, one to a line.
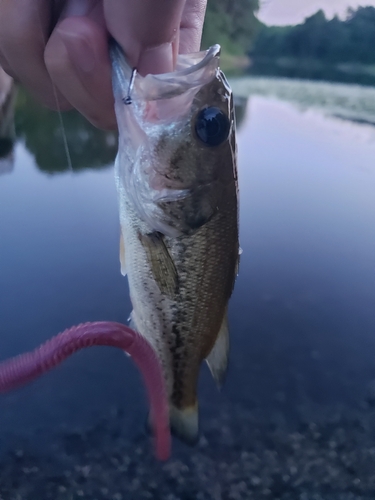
62	129
61	121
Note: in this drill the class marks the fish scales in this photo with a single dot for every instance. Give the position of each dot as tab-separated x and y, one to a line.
205	269
178	195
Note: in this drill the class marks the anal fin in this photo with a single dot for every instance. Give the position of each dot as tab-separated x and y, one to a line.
217	360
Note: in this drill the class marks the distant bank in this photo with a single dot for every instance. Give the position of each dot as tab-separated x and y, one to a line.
312	69
319	49
294	68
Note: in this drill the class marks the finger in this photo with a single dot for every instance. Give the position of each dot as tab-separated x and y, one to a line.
24	26
6	66
77	60
147	30
192	26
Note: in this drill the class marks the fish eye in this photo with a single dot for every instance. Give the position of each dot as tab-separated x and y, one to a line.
212	126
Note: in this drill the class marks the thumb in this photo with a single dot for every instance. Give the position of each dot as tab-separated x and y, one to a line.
147	30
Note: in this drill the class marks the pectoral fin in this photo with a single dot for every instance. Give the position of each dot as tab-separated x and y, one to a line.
162	265
217	360
122	255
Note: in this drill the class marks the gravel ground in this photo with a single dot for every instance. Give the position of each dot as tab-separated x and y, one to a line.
238	457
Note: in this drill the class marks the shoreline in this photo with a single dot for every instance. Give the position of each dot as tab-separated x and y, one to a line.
313	70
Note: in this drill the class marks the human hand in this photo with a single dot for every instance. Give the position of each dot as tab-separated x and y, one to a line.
58	49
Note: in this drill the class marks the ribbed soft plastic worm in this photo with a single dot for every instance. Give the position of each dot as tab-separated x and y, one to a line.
26	367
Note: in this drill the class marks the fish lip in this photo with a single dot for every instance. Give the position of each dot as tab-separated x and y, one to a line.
209	54
188	74
180	76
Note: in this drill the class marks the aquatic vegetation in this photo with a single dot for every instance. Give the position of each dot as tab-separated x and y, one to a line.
350	102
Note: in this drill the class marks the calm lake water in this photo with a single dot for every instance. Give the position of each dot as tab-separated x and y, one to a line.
302	315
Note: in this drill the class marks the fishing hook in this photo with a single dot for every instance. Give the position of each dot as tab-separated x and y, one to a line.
128	99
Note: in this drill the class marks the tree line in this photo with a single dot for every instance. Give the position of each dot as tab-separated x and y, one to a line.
351	40
232	24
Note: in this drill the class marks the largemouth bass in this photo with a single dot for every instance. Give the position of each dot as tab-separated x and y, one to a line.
176	178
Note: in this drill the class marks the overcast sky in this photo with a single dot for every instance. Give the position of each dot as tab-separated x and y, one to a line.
294	11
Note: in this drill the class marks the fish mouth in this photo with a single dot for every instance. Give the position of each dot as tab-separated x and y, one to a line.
192	71
186	64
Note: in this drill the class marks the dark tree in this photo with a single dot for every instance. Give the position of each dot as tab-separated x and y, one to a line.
231	23
349	41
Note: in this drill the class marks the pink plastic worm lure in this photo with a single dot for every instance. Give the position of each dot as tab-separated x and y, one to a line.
26	367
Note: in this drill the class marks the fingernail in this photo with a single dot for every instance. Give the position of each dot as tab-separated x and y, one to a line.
156	60
79	51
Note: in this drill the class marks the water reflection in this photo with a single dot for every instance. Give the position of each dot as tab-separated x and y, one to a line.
41	130
240	106
306	284
302	315
349	102
7	162
7	135
89	148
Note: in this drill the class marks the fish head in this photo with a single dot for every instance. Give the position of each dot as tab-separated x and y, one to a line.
176	141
